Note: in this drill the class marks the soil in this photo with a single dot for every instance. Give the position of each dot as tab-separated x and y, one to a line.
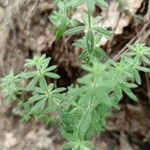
25	33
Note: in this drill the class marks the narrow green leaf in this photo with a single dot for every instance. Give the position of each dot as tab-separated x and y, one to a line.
84	55
88	144
103	31
83	147
42	83
32	83
28	75
74	30
50	86
128	92
59	33
99	52
146	60
90	41
59	90
39	106
131	85
137	77
85	121
97	19
62	27
144	69
74	3
69	145
61	5
118	92
91	5
52	75
50	68
87	68
102	3
36	97
105	100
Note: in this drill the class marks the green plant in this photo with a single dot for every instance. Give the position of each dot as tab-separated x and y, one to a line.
80	111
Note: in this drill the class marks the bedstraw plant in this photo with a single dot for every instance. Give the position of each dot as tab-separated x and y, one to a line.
79	111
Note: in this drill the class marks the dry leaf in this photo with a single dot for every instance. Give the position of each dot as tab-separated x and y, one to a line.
114	19
117	21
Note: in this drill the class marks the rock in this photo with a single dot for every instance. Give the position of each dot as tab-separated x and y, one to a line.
31	135
2	14
44	143
45	6
39	139
10	140
124	143
103	146
41	43
4	3
31	43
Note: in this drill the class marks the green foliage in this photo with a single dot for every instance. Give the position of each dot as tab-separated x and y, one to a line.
90	41
61	19
44	99
10	87
80	111
41	70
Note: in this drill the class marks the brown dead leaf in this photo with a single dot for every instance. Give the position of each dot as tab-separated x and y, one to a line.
115	19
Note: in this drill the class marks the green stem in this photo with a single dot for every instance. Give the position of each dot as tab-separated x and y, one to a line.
89	20
90	29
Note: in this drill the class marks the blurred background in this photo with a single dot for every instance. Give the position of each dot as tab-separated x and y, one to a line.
25	31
